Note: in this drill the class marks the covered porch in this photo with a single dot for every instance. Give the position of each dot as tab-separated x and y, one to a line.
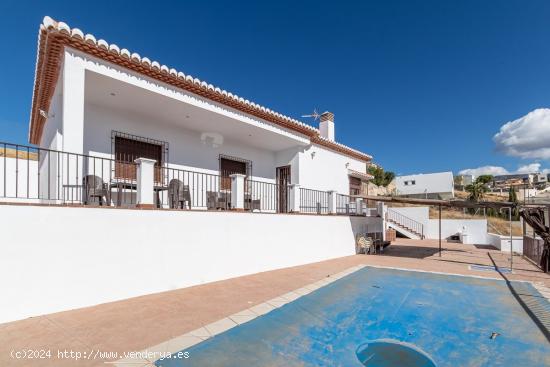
196	147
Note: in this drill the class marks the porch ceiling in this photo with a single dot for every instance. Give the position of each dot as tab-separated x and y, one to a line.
99	90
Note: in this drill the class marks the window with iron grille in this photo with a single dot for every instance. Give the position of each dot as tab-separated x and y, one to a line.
127	148
230	165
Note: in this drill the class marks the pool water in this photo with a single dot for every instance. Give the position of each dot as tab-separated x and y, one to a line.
438	320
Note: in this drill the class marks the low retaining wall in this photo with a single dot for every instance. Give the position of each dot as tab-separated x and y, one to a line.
503	242
60	258
475	228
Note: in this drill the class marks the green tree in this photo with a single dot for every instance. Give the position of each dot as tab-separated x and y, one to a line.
484	179
381	177
513	198
478	188
388	177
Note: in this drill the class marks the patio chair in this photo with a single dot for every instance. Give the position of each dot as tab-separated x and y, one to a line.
364	244
178	194
211	200
93	186
224	201
218	200
252	204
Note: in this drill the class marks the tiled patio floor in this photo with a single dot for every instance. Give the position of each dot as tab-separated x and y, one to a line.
135	324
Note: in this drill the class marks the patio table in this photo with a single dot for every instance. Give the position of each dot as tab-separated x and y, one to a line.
132	185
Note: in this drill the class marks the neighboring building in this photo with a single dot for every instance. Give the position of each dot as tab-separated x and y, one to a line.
505	181
461	181
98	99
521	180
429	185
540	180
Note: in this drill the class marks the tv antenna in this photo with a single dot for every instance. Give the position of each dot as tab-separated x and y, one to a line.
315	115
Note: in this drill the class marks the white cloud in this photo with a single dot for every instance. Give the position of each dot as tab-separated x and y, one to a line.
485	170
526	137
497	170
529	168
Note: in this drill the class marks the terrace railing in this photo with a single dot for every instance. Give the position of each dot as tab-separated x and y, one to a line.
313	201
266	197
405	222
47	176
345	205
184	189
54	177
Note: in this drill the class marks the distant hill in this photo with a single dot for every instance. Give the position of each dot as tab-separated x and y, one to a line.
21	154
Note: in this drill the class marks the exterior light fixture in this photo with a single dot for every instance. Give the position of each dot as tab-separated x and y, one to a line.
46	115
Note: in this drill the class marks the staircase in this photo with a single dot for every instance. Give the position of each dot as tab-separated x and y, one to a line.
406	226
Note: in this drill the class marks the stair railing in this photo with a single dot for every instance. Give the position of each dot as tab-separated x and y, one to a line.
407	223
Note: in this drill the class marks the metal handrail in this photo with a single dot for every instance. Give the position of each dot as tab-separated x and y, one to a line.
346	205
313	201
58	177
406	222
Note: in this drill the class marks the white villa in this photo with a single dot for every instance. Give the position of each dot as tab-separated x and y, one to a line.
111	132
96	99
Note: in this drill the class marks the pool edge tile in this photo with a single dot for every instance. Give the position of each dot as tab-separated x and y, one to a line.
196	336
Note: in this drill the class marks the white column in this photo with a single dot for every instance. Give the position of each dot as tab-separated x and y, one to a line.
294	197
237	191
73	103
332	202
359	206
145	179
381	209
72	167
382	212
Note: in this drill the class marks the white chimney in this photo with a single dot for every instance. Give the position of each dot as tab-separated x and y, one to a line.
326	126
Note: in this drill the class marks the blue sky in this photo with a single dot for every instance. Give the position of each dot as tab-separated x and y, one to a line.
423	86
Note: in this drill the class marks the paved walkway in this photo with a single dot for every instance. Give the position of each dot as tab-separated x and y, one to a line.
135	324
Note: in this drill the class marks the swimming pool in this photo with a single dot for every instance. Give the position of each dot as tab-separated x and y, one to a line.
452	320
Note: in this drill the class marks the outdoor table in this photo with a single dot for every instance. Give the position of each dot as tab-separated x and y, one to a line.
132	185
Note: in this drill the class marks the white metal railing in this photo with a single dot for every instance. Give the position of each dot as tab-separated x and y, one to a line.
407	223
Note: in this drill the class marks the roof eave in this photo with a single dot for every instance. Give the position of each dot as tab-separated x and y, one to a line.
55	36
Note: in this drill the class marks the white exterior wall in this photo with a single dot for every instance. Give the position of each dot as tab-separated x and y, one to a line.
430	183
503	242
77	257
324	169
186	150
73	103
53	128
418	213
83	127
52	138
289	157
475	228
